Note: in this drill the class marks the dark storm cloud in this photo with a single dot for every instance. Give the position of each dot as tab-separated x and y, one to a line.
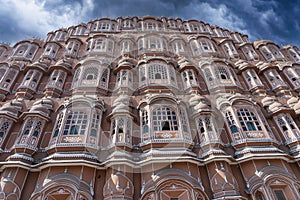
260	19
273	20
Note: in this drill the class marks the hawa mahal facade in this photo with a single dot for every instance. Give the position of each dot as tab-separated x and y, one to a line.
146	108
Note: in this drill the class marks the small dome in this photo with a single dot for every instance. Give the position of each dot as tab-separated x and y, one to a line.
183	62
12	108
267	101
292	101
201	106
42	106
122	99
125	64
44	63
198	103
121	103
120	108
275	106
45	101
195	99
65	62
242	64
297	107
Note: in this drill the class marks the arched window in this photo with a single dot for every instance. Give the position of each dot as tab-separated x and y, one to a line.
103	26
59	36
248	120
21	50
172	24
189	78
30	54
27	127
288	126
206	129
164	122
292	75
222	73
178	46
31	131
51	50
76	123
229	49
208	74
145	122
26	51
252	78
126	46
184	121
142	74
2	71
104	79
58	124
234	129
76	78
95	124
294	54
57	79
194	27
267	54
90	76
100	45
127	23
3	128
72	48
247	123
37	129
157	72
275	51
219	74
124	78
207	45
249	52
79	30
31	79
152	43
5	125
231	122
152	25
164	119
274	78
121	129
237	37
195	48
218	32
7	77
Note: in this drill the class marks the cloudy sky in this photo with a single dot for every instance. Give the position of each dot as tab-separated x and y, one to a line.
277	20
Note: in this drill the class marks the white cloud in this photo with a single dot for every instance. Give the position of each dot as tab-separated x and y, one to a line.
217	15
36	17
269	16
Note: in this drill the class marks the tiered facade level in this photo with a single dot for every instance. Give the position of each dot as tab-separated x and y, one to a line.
150	109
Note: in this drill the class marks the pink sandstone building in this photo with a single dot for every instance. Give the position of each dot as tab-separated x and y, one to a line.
147	108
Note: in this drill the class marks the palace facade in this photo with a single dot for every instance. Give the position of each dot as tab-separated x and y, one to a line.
146	108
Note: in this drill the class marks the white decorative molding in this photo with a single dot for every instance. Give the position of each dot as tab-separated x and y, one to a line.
73	139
